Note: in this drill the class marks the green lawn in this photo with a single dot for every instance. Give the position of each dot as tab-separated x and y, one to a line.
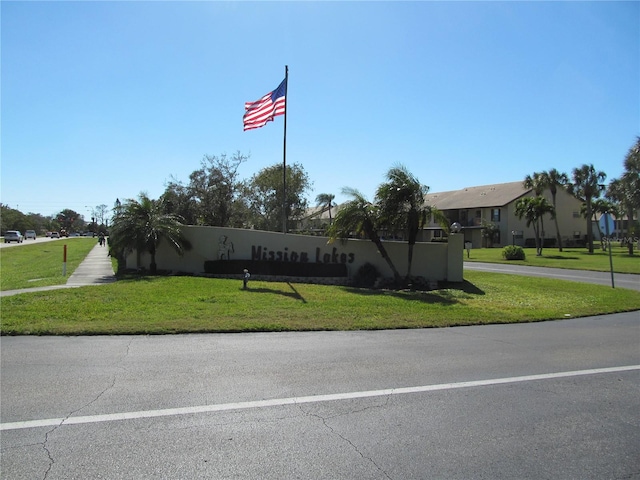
40	264
161	305
572	258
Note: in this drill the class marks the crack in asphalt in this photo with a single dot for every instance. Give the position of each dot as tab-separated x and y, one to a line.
44	444
344	438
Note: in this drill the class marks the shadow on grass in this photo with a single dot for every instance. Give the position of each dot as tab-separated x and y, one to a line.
137	277
465	286
445	295
293	294
560	257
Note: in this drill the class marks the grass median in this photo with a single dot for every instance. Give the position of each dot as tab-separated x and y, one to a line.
164	305
572	258
40	264
169	305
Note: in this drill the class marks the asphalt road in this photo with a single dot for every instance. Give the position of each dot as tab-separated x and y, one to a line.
551	400
620	280
37	240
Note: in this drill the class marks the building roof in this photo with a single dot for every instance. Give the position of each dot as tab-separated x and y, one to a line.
319	212
485	196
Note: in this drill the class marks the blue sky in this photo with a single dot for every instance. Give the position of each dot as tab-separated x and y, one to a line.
104	100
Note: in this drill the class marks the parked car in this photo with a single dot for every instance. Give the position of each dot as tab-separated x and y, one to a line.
13	236
54	235
30	234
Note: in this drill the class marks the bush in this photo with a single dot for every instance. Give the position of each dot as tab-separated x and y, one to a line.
366	276
513	252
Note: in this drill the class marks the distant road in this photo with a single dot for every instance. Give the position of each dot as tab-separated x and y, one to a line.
621	280
37	240
26	242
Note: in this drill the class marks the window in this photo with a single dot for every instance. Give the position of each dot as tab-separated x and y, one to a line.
495	215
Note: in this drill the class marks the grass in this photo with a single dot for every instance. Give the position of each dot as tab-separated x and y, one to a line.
167	305
40	264
572	258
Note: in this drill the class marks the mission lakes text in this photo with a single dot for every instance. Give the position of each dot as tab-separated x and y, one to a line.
263	253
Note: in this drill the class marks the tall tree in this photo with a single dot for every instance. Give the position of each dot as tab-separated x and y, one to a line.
178	199
101	213
533	209
325	200
626	190
141	225
12	219
599	208
360	217
212	195
215	187
553	179
535	182
402	206
587	185
70	220
264	195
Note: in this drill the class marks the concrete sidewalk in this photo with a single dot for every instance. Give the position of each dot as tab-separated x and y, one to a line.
95	269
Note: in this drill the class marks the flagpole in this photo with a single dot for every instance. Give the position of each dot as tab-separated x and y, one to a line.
284	152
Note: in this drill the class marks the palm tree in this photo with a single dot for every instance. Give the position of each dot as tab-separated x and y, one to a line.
626	189
534	182
533	209
540	181
552	180
587	185
359	216
142	224
600	207
325	200
402	206
621	192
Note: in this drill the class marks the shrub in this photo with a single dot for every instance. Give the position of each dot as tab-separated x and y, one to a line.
513	252
366	276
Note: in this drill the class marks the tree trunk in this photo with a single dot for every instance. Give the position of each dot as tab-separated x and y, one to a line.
629	225
536	231
555	219
413	234
153	267
589	225
409	260
385	255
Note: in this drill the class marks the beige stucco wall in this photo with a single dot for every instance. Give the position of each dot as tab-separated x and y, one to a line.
569	221
568	214
434	261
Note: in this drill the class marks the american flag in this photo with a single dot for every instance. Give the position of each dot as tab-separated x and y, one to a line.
258	113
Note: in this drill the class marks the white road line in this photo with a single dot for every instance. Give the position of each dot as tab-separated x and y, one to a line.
298	400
